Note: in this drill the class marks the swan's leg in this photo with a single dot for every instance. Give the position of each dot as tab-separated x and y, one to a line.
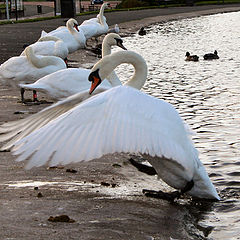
169	196
162	195
35	96
142	167
22	95
188	187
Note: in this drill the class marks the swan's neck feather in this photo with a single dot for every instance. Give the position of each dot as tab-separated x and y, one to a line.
100	15
39	61
106	50
109	63
106	47
70	24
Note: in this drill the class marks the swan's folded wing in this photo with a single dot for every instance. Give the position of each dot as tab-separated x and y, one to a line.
121	119
19	129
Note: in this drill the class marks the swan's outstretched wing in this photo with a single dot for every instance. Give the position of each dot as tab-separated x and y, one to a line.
121	119
19	129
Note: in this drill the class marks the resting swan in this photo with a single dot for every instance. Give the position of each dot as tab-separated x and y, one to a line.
121	119
29	68
95	27
16	130
67	82
71	35
49	46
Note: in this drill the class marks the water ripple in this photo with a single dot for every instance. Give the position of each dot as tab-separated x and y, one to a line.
206	94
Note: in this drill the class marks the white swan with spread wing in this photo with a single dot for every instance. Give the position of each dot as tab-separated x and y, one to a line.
121	119
16	130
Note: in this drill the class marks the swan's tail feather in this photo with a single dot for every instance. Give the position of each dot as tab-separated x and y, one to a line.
43	33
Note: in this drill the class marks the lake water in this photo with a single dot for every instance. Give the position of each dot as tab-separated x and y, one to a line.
207	95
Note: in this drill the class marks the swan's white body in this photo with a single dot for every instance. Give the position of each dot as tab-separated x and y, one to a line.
73	39
95	27
64	83
121	119
29	68
49	46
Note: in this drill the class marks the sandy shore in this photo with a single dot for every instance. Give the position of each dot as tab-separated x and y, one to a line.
103	197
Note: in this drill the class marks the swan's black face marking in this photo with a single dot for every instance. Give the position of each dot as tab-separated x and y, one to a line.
120	43
76	27
95	79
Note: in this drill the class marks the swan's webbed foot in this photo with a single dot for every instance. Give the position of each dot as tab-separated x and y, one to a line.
142	167
171	197
162	195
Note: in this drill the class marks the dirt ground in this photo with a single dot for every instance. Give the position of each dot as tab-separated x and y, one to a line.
103	197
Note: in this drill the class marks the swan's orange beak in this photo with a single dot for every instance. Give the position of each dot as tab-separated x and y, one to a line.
76	27
95	79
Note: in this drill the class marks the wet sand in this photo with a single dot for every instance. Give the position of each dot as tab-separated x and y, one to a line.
104	197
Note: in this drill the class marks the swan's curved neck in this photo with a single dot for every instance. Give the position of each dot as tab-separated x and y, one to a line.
38	61
109	63
106	50
106	47
100	15
70	27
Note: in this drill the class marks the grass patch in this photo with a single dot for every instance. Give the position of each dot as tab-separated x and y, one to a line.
163	5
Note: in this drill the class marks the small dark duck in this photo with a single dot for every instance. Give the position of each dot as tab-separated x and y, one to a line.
189	57
142	31
210	56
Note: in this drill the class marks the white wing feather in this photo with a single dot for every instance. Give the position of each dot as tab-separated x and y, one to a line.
121	119
19	129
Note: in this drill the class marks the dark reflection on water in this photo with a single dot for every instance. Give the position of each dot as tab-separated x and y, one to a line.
207	95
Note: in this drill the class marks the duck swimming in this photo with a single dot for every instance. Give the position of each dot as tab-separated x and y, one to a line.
142	31
189	57
211	56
